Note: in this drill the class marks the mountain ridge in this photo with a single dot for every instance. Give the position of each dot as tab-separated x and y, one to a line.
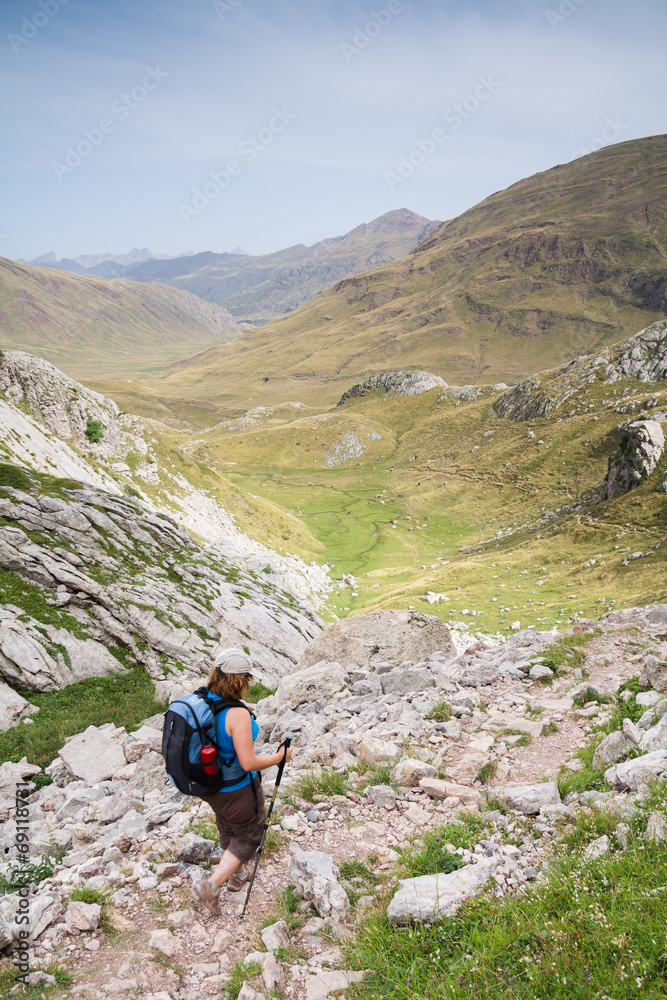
568	260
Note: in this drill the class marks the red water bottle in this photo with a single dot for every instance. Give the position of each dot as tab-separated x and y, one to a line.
209	759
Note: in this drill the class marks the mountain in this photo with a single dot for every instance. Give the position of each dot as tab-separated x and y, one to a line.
88	325
256	289
566	261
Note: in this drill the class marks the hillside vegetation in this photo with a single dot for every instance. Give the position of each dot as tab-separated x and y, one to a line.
90	326
564	262
441	502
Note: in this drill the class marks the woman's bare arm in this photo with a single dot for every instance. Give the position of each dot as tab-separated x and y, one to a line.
238	724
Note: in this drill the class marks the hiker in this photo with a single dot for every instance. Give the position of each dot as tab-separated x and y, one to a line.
238	807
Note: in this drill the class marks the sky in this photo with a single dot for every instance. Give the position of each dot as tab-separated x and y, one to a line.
213	124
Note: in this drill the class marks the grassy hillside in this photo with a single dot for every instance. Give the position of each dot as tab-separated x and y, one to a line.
561	263
436	494
87	326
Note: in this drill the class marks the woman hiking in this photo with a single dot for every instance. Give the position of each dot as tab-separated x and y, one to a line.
239	807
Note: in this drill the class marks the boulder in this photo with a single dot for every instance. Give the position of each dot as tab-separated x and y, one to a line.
377	752
44	909
194	849
409	772
84	916
614	747
272	971
655	738
322	680
92	756
634	774
654	673
316	877
641	448
324	983
382	795
529	799
276	936
166	942
405	681
13	707
380	637
431	897
439	789
597	848
149	775
656	828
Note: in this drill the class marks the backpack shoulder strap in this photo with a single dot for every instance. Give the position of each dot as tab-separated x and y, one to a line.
220	704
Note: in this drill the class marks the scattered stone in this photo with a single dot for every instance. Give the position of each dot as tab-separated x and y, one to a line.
428	898
614	747
437	788
529	799
382	795
84	916
321	984
656	828
166	942
409	772
194	849
597	848
93	755
276	936
316	877
375	751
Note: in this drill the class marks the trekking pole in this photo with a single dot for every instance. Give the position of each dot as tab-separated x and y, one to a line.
281	768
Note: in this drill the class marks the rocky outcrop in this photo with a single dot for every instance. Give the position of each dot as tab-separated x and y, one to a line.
643	357
641	448
430	898
118	576
399	383
64	406
380	637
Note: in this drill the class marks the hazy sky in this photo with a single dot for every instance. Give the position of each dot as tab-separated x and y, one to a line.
117	113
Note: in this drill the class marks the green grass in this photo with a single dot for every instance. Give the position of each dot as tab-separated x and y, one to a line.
487	772
442	712
590	694
313	787
427	855
20	874
258	691
124	699
590	929
9	979
240	974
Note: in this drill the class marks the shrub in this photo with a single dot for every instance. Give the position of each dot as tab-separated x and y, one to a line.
441	712
94	430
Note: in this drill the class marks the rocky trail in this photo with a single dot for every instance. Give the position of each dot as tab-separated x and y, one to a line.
374	771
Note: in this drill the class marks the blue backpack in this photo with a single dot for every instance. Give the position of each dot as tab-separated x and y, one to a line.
189	724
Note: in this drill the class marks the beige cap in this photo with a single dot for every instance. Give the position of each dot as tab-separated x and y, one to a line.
234	661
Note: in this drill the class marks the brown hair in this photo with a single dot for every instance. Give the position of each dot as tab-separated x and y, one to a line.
232	686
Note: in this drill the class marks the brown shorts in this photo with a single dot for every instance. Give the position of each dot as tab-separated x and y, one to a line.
240	818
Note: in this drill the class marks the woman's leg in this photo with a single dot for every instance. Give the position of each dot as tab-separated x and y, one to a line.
229	865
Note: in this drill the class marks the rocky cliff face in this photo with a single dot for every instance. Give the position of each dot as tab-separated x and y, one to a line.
641	448
113	575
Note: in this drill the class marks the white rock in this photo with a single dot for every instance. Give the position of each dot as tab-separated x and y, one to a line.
379	637
316	877
437	788
409	771
375	751
597	848
633	774
529	799
654	738
321	984
656	828
276	936
431	897
164	941
84	916
320	681
13	707
92	755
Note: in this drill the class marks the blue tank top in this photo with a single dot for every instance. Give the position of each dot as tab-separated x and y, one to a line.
228	752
